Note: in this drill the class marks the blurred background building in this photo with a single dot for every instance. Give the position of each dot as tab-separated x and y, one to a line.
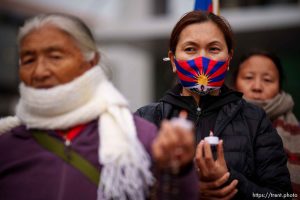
133	35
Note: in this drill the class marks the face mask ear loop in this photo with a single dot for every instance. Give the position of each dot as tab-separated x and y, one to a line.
173	57
228	63
167	59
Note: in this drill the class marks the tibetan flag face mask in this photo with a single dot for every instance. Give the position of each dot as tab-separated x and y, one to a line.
201	75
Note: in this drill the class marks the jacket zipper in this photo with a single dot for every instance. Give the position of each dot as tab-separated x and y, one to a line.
198	113
64	171
62	183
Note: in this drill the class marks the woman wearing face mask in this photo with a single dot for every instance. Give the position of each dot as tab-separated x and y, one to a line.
259	76
249	160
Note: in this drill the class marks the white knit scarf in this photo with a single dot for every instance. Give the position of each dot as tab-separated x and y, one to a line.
125	162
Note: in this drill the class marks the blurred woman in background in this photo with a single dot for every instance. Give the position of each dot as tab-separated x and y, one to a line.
259	76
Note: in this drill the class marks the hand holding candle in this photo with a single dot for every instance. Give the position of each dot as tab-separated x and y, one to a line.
175	144
213	173
210	168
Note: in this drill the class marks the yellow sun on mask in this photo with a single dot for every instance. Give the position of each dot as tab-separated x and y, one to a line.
202	80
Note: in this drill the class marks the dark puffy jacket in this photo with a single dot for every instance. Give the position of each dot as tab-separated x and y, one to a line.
253	150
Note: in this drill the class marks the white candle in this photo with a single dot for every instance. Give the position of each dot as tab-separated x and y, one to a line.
182	123
211	139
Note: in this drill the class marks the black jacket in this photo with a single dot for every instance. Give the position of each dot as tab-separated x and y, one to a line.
253	150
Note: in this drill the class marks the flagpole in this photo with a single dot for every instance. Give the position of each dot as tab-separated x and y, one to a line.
216	7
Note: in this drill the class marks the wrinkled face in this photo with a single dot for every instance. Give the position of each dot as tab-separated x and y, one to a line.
50	57
258	78
201	39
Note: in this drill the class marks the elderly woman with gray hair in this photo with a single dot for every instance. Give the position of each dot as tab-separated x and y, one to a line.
73	136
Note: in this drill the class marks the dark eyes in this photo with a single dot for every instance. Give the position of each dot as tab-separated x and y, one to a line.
211	50
190	49
55	57
248	77
214	49
264	80
27	61
268	80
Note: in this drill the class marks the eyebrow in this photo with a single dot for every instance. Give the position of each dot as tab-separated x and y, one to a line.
215	42
26	53
268	74
48	49
189	42
54	48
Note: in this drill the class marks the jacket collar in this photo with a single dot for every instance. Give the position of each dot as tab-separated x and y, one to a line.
208	103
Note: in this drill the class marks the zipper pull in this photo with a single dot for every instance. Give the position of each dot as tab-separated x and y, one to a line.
67	149
67	142
198	111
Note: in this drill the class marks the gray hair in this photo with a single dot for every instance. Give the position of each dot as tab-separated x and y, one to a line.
73	26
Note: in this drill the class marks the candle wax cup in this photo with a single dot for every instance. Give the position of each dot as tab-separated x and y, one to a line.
212	140
183	123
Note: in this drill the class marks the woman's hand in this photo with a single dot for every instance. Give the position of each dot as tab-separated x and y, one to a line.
213	174
173	145
214	190
210	169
